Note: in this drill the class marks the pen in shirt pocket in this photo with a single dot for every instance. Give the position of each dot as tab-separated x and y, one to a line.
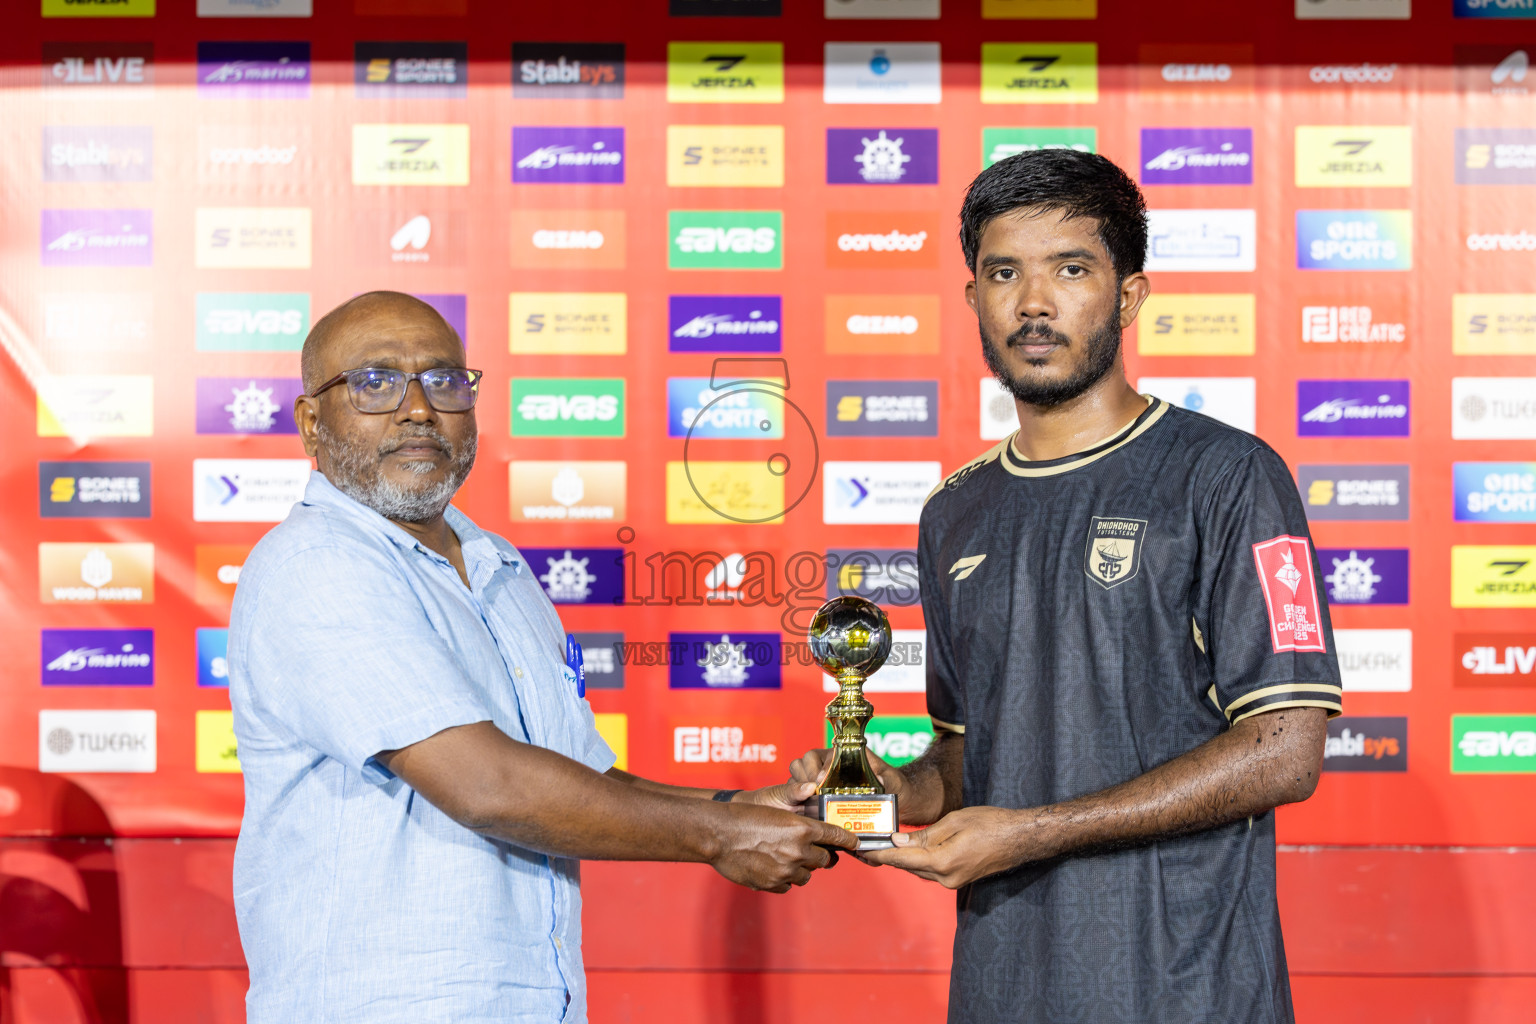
576	663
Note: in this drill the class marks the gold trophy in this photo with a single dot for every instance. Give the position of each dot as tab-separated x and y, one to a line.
851	638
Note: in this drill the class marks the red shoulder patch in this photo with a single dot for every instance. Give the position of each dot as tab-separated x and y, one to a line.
1290	593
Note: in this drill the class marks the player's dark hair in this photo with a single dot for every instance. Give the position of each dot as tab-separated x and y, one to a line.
1076	184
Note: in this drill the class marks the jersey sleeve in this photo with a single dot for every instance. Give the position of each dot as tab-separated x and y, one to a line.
1261	615
945	705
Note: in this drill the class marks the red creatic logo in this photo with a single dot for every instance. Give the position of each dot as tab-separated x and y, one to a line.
1290	593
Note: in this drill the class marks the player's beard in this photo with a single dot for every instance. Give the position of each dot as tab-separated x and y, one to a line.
1100	350
356	473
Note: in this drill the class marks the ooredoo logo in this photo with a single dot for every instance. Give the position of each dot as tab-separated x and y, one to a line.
882	240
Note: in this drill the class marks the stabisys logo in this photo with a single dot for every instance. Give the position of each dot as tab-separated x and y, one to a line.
724	323
1358	743
98	657
93	65
1352	408
568	71
93	490
108	153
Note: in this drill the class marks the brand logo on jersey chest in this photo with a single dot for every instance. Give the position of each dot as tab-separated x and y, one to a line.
1114	550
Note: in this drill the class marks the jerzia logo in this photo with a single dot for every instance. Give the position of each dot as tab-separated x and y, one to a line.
1113	555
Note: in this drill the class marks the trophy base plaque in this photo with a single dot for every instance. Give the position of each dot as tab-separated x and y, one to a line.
870	816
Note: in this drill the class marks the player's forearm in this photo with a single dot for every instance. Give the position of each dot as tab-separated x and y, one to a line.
691	792
933	780
1257	765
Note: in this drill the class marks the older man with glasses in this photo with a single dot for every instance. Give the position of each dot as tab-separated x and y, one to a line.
421	775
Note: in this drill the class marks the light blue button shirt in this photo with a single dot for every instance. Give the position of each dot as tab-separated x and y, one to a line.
357	900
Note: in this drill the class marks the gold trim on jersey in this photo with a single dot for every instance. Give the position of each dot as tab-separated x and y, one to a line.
1334	709
947	726
976	463
1018	465
1291	687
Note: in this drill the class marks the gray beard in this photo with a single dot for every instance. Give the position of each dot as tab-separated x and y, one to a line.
355	473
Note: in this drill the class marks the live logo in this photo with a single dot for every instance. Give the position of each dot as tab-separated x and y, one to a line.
1494	659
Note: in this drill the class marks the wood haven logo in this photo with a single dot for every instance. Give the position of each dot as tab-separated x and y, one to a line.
1290	594
96	573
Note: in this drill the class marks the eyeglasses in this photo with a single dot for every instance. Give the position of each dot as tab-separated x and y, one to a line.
375	389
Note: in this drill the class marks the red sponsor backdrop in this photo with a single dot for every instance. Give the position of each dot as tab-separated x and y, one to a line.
673	943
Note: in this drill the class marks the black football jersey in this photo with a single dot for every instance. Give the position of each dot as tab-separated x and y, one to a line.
1090	618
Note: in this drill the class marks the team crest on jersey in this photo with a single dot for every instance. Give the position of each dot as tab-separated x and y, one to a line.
1114	550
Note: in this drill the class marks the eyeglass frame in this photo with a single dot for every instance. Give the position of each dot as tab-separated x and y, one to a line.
342	376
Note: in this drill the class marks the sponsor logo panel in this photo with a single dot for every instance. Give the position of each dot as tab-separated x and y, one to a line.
410	70
247	405
242	70
725	8
725	72
1365	74
1377	492
255	8
1352	408
98	8
1002	143
1172	72
1494	659
1486	576
1493	744
876	492
1284	565
1365	575
725	156
1197	156
247	490
96	573
1493	408
237	154
412	8
716	492
725	240
1052	10
884	10
567	407
724	323
252	321
895	739
1495	156
213	656
214	738
882	156
1495	492
903	672
1232	400
95	741
892	240
695	409
1353	10
92	66
569	323
1375	660
1493	70
411	236
106	153
93	490
96	322
1353	325
735	749
1201	240
999	416
1495	8
724	661
882	408
567	491
98	657
614	729
1501	241
543	155
1366	743
579	575
1354	156
452	308
568	71
882	73
410	154
1039	73
1197	325
216	568
882	324
1354	239
86	406
887	576
1493	325
97	238
602	662
253	238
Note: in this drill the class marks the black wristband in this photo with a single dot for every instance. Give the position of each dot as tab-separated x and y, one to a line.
725	796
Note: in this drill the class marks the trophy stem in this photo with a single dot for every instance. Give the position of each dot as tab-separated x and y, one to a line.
848	714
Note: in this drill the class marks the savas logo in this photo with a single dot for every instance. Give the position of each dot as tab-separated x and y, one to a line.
882	408
1358	743
247	490
1039	73
882	324
1228	399
252	321
1493	325
1354	492
724	661
725	239
1493	576
98	657
570	323
1354	239
1495	492
876	492
93	490
1328	325
879	156
1365	575
1354	156
694	409
1002	143
881	73
578	575
543	155
96	573
86	406
1201	240
1352	408
567	491
414	70
1196	325
1375	660
896	739
1493	408
253	70
253	238
74	153
97	238
724	323
567	407
725	156
895	240
90	65
410	154
1494	659
95	741
568	71
247	405
1197	156
1493	743
1496	8
725	72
